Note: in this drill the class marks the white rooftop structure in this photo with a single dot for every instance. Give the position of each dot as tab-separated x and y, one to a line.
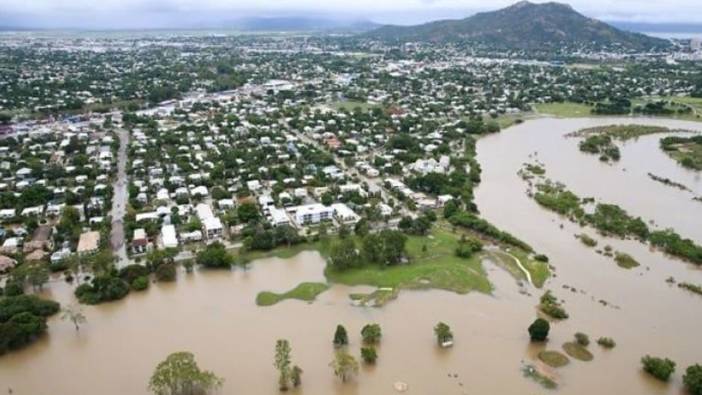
278	217
344	214
168	236
211	224
311	213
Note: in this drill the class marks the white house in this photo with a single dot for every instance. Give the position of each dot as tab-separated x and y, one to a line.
168	236
278	217
344	214
7	213
212	225
187	237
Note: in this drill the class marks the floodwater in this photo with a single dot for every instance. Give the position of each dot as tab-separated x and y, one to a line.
213	313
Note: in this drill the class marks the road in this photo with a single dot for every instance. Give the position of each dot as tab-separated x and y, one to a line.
119	202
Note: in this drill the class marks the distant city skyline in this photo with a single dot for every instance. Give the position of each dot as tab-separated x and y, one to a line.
138	14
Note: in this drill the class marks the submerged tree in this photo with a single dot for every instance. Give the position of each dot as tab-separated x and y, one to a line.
282	363
344	364
74	314
369	354
296	376
179	374
340	336
443	333
538	330
371	333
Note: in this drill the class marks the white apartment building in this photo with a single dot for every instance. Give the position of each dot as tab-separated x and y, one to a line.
311	214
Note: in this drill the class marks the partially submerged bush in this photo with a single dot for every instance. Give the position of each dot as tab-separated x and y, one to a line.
660	368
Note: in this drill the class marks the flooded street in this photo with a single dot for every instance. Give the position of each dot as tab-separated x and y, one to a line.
213	314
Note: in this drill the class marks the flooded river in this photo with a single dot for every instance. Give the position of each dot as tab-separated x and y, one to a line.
214	315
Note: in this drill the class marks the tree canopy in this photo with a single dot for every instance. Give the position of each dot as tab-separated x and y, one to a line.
179	374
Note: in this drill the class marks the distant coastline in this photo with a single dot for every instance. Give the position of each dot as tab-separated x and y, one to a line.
676	35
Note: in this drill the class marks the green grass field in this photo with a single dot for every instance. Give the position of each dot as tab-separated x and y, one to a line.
282	252
305	291
351	105
434	267
563	110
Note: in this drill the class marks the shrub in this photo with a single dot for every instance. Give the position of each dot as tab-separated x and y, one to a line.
102	289
582	339
20	330
551	307
215	255
166	272
13	288
467	247
587	240
23	319
660	368
369	354
538	330
692	379
140	283
606	342
371	333
443	333
10	306
132	272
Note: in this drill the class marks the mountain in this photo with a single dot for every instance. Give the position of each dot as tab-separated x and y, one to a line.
524	25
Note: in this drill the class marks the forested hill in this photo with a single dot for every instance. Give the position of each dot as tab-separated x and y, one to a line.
523	25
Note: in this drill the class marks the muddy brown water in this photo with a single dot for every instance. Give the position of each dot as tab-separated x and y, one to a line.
214	315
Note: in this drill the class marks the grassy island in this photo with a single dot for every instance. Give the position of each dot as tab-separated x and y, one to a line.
305	291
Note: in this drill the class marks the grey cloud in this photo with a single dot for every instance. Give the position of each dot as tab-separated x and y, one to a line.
176	13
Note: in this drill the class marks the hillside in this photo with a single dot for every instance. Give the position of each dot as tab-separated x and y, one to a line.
523	25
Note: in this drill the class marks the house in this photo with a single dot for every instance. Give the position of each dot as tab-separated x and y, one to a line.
266	202
213	228
148	216
225	204
88	243
311	214
211	224
60	255
344	214
332	171
140	242
278	217
6	263
7	213
385	210
11	245
443	199
253	185
193	236
199	191
162	195
35	256
168	236
33	211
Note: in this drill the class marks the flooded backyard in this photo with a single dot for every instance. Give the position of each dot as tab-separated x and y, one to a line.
213	313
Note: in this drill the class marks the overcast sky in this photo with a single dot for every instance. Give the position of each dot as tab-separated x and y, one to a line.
216	13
